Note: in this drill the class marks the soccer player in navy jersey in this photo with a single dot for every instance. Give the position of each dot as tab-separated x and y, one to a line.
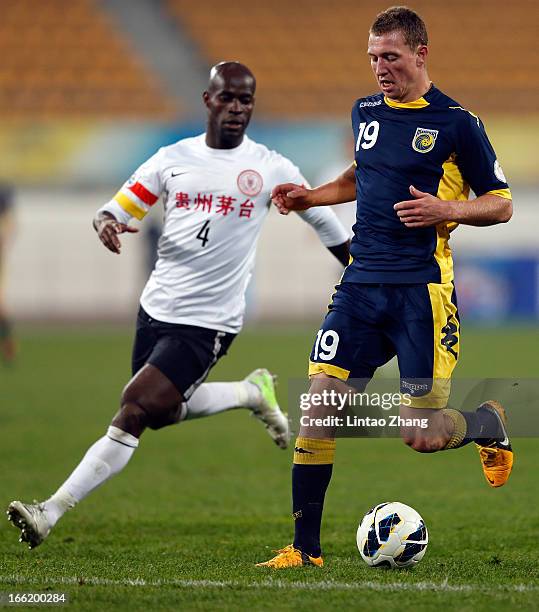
417	155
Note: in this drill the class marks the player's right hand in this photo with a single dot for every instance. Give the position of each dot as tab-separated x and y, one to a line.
108	230
289	196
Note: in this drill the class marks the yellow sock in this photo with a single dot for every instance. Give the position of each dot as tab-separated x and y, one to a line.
459	428
314	451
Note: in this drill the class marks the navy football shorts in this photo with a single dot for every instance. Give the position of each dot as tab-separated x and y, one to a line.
183	353
367	325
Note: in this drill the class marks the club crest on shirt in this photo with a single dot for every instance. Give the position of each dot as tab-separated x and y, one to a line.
250	183
424	140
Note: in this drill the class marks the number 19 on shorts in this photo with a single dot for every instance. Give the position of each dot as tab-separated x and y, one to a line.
325	347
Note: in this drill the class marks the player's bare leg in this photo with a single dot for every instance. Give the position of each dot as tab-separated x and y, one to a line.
434	437
449	428
149	400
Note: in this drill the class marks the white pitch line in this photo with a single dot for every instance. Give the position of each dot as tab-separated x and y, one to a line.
323	585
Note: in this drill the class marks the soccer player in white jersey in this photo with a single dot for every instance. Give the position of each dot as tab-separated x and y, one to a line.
216	190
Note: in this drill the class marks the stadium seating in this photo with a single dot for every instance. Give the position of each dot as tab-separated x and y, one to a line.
63	59
310	55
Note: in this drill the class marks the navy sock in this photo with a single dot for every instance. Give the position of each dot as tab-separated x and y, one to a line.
482	427
309	484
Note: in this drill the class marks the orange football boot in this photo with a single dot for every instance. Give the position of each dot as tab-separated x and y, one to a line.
291	557
496	457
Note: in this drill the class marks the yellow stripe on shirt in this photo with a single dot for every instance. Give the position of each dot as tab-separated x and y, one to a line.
129	206
452	186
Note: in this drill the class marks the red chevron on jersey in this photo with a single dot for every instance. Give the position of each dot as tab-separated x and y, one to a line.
143	194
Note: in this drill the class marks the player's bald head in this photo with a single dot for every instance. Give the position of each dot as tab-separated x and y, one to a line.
227	74
229	99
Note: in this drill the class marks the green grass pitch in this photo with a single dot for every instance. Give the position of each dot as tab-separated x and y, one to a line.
201	503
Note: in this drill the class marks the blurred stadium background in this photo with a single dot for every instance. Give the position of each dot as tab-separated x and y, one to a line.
90	88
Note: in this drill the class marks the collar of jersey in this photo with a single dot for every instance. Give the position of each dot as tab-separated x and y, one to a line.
224	152
420	103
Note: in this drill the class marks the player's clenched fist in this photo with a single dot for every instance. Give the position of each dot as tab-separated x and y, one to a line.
108	228
290	196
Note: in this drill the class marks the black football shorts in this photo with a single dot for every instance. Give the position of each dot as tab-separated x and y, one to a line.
183	353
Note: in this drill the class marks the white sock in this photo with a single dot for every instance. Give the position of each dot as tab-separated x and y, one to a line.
211	398
108	456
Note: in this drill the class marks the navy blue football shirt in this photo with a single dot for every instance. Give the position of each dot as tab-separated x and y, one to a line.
437	146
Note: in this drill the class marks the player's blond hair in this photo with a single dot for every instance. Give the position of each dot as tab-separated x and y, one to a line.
402	19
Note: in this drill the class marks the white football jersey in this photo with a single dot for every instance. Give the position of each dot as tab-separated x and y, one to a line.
215	203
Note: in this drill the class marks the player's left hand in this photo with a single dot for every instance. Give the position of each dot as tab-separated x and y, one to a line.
425	210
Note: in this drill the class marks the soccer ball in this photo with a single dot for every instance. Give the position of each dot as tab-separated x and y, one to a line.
392	535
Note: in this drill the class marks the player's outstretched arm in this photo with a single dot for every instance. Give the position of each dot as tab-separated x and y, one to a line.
108	227
289	196
426	210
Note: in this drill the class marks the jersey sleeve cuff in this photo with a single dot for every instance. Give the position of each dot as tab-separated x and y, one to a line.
116	211
326	224
503	193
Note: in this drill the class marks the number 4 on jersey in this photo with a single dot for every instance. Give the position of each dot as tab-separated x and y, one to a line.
203	233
